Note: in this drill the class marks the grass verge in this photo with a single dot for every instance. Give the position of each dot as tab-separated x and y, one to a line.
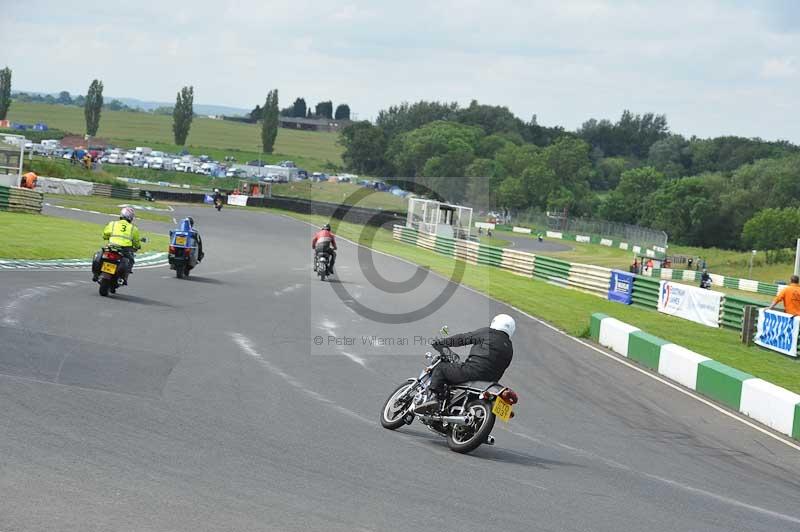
569	310
36	236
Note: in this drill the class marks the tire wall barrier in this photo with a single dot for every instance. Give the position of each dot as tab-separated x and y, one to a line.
14	199
585	277
746	285
758	399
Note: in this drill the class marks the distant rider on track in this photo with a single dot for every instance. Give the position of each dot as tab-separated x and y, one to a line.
325	242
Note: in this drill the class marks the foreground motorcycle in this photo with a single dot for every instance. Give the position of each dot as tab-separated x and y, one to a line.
112	268
218	204
182	255
468	412
322	265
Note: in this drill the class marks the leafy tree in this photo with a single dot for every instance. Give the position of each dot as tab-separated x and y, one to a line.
626	203
342	112
182	114
772	230
79	100
410	151
287	112
257	113
364	148
687	209
64	98
115	105
492	119
631	135
608	171
309	114
488	146
670	156
93	107
407	117
269	127
5	92
324	110
299	108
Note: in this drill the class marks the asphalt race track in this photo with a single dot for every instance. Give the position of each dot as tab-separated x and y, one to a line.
205	404
524	243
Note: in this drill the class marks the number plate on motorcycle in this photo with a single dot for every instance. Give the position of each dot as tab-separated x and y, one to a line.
109	267
502	409
180	240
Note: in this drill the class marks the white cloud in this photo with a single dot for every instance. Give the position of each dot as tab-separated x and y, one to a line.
779	68
564	61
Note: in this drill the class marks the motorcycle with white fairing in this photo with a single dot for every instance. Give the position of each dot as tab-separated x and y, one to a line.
467	412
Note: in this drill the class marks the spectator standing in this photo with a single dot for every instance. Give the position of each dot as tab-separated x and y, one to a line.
790	297
691	261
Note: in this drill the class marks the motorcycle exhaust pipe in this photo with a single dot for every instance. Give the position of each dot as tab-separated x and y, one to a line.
453	420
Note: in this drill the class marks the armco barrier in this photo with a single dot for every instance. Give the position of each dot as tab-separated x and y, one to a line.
763	401
14	199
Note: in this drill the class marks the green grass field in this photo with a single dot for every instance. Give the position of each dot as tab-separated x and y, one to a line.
216	138
569	310
35	236
111	206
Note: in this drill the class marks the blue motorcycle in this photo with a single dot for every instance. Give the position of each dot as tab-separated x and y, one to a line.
183	250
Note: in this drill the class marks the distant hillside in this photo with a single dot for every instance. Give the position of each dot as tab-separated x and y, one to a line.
199	108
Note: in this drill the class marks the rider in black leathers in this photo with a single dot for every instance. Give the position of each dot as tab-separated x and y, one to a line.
490	355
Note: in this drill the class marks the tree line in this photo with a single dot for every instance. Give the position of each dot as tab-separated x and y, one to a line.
633	170
299	109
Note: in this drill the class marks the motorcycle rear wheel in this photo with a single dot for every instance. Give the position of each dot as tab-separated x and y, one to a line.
395	421
104	285
464	439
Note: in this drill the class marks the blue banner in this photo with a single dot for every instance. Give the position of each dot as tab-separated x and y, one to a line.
778	331
208	199
621	287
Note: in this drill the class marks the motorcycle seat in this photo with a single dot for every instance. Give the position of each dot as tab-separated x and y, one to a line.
477	385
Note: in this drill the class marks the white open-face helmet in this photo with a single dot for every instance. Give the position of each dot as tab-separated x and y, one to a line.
505	323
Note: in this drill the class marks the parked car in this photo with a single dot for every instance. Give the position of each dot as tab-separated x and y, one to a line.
287	164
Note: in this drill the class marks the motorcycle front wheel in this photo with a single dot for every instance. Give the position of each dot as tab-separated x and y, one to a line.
467	438
392	415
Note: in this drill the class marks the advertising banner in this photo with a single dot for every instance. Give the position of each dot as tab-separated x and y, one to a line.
237	199
778	331
690	303
620	288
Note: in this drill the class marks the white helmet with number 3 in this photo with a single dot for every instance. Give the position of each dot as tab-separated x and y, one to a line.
505	323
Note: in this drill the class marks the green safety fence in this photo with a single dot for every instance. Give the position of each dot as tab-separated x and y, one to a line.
490	255
733	310
645	291
445	246
550	269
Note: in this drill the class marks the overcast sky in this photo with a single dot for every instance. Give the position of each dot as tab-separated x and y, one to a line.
713	67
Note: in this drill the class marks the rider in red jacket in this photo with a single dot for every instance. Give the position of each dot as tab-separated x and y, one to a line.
325	242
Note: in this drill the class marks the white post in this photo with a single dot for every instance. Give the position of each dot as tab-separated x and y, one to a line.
797	258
